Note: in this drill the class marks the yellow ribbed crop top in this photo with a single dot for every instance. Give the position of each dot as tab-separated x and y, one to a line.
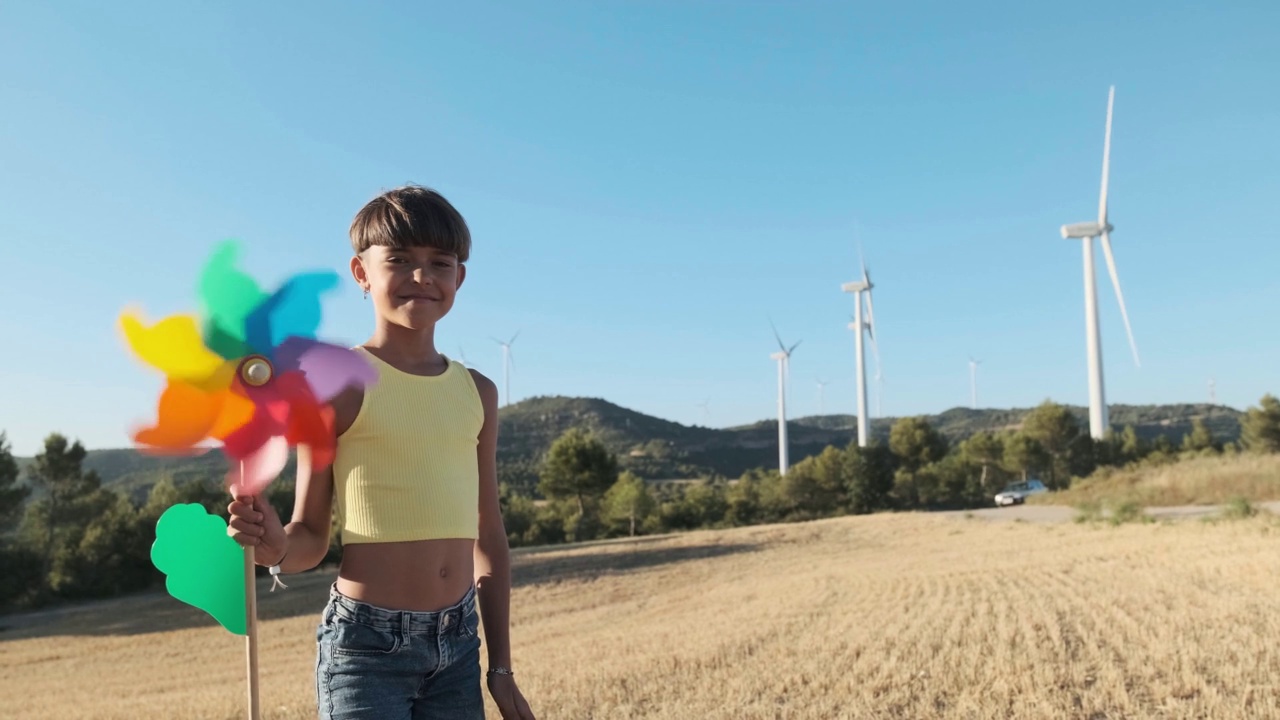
406	469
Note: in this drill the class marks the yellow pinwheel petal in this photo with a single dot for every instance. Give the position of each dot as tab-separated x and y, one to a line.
173	346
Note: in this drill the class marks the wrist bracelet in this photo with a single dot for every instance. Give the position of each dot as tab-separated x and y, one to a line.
275	573
499	670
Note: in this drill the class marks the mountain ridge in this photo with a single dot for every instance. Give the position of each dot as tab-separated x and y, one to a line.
656	448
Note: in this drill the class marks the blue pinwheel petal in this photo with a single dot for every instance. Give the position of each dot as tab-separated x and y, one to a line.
292	311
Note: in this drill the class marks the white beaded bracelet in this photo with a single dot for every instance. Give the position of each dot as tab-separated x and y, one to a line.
275	576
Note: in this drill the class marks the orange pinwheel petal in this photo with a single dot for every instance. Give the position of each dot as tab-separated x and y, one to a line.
185	415
235	413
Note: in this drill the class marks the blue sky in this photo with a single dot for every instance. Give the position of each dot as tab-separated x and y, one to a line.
647	184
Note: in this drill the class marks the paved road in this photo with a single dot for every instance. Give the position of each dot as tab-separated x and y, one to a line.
1060	513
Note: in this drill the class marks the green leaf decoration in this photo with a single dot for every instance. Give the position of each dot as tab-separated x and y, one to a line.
203	566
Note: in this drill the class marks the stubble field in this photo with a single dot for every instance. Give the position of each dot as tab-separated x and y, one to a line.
887	616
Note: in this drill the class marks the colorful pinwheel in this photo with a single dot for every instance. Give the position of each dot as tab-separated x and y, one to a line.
250	375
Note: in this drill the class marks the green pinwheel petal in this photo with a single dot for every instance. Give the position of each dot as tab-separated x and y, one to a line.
203	566
229	296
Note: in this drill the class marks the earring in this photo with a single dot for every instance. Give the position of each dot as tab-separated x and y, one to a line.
366	293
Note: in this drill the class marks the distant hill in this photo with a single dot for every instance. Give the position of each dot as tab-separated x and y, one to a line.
659	449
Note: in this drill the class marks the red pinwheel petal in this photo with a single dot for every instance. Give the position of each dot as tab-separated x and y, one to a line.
310	422
242	443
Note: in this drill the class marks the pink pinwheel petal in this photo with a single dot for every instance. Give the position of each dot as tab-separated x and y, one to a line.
253	474
329	368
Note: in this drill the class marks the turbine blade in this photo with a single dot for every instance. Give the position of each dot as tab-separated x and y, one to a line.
871	310
513	337
1106	161
793	347
862	260
1115	281
776	336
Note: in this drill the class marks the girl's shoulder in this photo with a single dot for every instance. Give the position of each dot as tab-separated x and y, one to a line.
487	389
346	408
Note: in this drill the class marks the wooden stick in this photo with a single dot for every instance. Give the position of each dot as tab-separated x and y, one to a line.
251	631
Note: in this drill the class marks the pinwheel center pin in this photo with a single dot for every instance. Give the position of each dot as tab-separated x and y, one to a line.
256	371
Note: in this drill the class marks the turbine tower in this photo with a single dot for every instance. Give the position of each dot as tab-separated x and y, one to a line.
973	383
1087	231
506	366
860	325
783	356
822	404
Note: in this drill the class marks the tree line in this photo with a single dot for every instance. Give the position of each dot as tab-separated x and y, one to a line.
65	537
584	497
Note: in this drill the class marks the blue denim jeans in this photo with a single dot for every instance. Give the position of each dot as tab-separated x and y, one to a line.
398	665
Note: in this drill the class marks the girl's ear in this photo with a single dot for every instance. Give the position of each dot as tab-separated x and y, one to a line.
358	272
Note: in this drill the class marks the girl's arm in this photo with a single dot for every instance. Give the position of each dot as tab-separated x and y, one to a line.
303	543
493	563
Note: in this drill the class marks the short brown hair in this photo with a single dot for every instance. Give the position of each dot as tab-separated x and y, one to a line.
411	216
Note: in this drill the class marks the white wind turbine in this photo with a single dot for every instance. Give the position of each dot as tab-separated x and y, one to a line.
706	412
506	365
973	383
783	356
463	357
1087	231
860	325
822	405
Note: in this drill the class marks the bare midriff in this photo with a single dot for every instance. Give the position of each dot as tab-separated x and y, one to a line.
420	575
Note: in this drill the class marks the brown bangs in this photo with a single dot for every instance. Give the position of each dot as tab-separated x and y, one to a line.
411	216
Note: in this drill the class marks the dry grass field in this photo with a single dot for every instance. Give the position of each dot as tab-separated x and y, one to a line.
909	616
1208	480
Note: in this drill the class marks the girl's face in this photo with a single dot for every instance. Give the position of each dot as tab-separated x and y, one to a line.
411	287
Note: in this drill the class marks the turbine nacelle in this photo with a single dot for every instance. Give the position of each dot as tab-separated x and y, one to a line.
1085	230
858	286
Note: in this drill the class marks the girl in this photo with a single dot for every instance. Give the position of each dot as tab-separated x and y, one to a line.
415	484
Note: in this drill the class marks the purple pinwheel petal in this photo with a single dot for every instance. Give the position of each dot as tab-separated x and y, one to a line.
329	368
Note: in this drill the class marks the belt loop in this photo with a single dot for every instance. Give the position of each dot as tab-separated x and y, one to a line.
405	633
